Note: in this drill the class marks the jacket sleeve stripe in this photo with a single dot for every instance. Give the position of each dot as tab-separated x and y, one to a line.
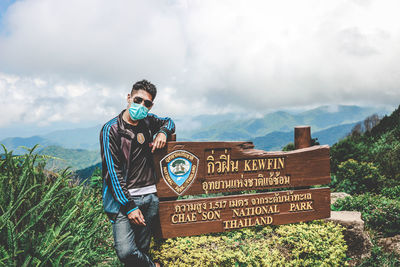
110	164
119	188
170	124
114	179
106	153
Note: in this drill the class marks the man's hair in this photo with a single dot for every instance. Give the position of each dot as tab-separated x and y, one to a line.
146	86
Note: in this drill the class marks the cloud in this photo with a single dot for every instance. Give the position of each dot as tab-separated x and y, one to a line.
78	59
32	100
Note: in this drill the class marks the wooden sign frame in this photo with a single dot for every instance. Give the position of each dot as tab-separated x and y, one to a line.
210	168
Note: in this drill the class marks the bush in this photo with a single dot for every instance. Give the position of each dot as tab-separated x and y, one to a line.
380	213
349	148
46	219
305	244
380	258
357	177
386	154
391	192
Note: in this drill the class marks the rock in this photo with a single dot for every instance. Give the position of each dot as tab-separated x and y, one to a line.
358	242
391	244
338	195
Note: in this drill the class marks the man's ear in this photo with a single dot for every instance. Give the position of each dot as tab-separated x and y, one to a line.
128	97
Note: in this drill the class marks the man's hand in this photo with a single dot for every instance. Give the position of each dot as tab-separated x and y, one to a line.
136	217
159	142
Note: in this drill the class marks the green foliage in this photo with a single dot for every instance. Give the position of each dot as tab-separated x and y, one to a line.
386	152
314	142
305	244
96	181
358	177
387	123
45	219
370	161
392	192
348	148
380	258
380	213
288	147
86	173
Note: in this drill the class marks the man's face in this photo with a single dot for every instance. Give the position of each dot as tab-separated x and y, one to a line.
140	97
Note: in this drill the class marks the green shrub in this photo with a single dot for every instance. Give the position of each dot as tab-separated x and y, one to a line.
380	213
46	219
380	258
305	244
349	148
355	177
391	192
289	147
386	154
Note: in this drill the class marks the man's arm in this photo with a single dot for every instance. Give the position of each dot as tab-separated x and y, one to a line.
162	127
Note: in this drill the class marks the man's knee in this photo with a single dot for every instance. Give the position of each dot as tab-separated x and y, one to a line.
126	254
134	258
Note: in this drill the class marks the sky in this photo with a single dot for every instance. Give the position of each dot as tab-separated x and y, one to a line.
68	63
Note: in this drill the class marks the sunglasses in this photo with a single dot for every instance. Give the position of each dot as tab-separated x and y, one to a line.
139	100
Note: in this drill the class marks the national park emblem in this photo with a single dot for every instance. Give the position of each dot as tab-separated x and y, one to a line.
179	169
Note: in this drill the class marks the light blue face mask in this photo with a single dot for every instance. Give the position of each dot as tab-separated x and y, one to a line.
138	112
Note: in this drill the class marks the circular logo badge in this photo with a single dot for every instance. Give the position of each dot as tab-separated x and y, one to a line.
140	138
179	166
179	170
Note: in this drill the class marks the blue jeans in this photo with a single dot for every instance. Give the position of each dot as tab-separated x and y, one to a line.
132	241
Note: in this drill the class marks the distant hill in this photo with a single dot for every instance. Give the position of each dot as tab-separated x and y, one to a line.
15	143
76	159
234	128
275	141
80	138
333	134
85	173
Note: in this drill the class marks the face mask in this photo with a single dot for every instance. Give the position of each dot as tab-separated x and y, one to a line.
137	111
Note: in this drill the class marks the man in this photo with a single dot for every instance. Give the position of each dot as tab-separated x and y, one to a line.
129	191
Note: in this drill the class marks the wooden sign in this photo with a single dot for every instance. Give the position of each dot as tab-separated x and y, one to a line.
203	168
193	168
219	214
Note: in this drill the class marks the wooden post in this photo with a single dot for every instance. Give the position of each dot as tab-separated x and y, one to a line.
172	137
302	137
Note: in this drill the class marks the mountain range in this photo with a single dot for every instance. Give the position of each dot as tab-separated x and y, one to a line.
232	127
79	148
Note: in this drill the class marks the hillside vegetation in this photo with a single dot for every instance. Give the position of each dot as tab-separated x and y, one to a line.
366	164
46	219
368	161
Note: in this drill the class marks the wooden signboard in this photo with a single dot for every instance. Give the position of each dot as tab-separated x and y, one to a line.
203	168
218	214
